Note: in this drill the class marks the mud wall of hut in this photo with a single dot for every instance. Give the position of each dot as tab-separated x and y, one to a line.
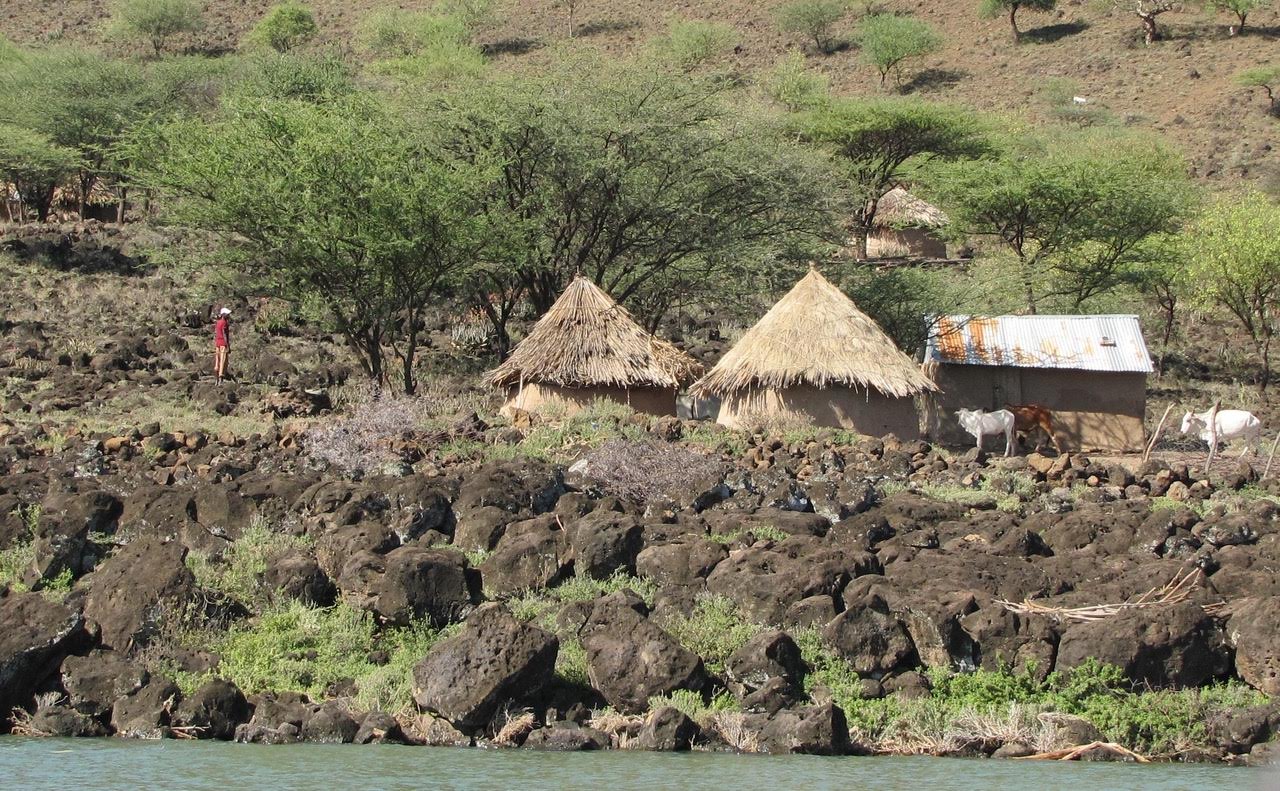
535	396
1092	410
866	412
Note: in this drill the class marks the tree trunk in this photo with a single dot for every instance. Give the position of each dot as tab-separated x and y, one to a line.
1013	23
860	234
124	196
1239	29
1150	32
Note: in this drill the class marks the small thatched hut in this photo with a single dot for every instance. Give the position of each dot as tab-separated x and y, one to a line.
815	355
906	227
587	347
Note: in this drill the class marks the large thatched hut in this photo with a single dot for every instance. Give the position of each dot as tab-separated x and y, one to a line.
587	347
907	227
815	355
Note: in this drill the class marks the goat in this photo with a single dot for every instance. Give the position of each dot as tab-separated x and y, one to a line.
980	424
1230	424
1029	417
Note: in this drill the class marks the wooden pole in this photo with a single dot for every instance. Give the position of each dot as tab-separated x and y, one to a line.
1213	436
1270	457
1156	436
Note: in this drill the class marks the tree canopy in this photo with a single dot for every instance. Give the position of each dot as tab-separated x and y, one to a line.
284	27
887	41
1076	213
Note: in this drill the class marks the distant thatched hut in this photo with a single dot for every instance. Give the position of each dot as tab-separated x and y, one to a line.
587	347
906	227
815	355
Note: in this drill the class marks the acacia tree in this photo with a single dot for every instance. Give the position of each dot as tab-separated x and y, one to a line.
989	9
1148	11
1077	215
80	102
815	20
1237	267
887	41
1265	77
1241	8
644	180
879	143
342	202
155	21
35	166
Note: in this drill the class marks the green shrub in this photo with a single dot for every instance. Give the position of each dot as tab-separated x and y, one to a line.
816	20
421	46
237	572
714	630
297	648
155	21
571	662
795	86
689	44
693	706
15	561
284	27
887	41
389	687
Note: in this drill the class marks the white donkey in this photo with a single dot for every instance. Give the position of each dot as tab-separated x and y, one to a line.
980	424
1230	424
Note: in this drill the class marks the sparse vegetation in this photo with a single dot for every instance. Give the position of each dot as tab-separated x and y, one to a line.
237	571
816	21
284	27
155	21
1268	79
990	9
693	43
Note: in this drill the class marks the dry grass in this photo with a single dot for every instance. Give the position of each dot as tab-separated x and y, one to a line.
899	208
515	727
617	726
816	336
731	726
588	340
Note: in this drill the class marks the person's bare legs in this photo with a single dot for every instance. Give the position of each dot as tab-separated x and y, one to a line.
219	362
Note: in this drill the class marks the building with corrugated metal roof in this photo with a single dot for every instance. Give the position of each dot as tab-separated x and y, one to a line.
1090	371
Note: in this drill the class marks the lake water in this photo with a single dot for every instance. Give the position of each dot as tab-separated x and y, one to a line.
107	764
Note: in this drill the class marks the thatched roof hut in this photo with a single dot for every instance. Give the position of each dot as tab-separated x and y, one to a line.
816	355
906	226
587	346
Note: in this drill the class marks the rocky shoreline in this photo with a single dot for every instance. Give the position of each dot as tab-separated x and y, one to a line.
606	581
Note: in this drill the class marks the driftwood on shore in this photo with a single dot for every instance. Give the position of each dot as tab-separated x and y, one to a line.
1079	752
1176	590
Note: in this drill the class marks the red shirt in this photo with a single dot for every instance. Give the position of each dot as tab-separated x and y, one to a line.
220	337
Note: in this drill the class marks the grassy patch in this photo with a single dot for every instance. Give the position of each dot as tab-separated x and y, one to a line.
762	533
237	572
714	630
1008	490
692	705
138	408
967	707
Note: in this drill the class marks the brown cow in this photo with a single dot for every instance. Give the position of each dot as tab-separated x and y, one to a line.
1029	417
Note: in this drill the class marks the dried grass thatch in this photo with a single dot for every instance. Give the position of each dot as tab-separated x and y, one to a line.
815	335
588	340
900	209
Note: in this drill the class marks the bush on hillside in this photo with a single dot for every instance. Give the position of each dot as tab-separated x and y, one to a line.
284	27
888	41
816	20
155	21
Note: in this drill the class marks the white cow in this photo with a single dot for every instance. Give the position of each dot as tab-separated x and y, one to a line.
1231	424
980	424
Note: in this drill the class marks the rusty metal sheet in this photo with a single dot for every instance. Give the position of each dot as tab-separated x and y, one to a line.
1086	343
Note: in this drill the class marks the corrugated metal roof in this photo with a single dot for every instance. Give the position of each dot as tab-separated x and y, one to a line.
1085	343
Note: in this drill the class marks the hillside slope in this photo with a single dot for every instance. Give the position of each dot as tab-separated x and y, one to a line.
1182	88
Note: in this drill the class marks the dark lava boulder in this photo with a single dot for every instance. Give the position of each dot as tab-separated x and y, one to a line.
59	720
874	642
331	724
298	576
94	682
667	729
213	711
631	659
567	737
145	714
532	554
132	589
493	661
766	580
1254	629
424	583
605	542
378	727
66	520
769	655
35	635
816	730
1178	645
681	562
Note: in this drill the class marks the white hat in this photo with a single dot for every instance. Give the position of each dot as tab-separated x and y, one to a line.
225	312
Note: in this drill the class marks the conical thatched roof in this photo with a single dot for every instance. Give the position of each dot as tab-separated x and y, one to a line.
587	340
815	335
899	208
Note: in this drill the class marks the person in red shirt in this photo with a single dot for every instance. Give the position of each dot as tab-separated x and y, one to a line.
221	343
